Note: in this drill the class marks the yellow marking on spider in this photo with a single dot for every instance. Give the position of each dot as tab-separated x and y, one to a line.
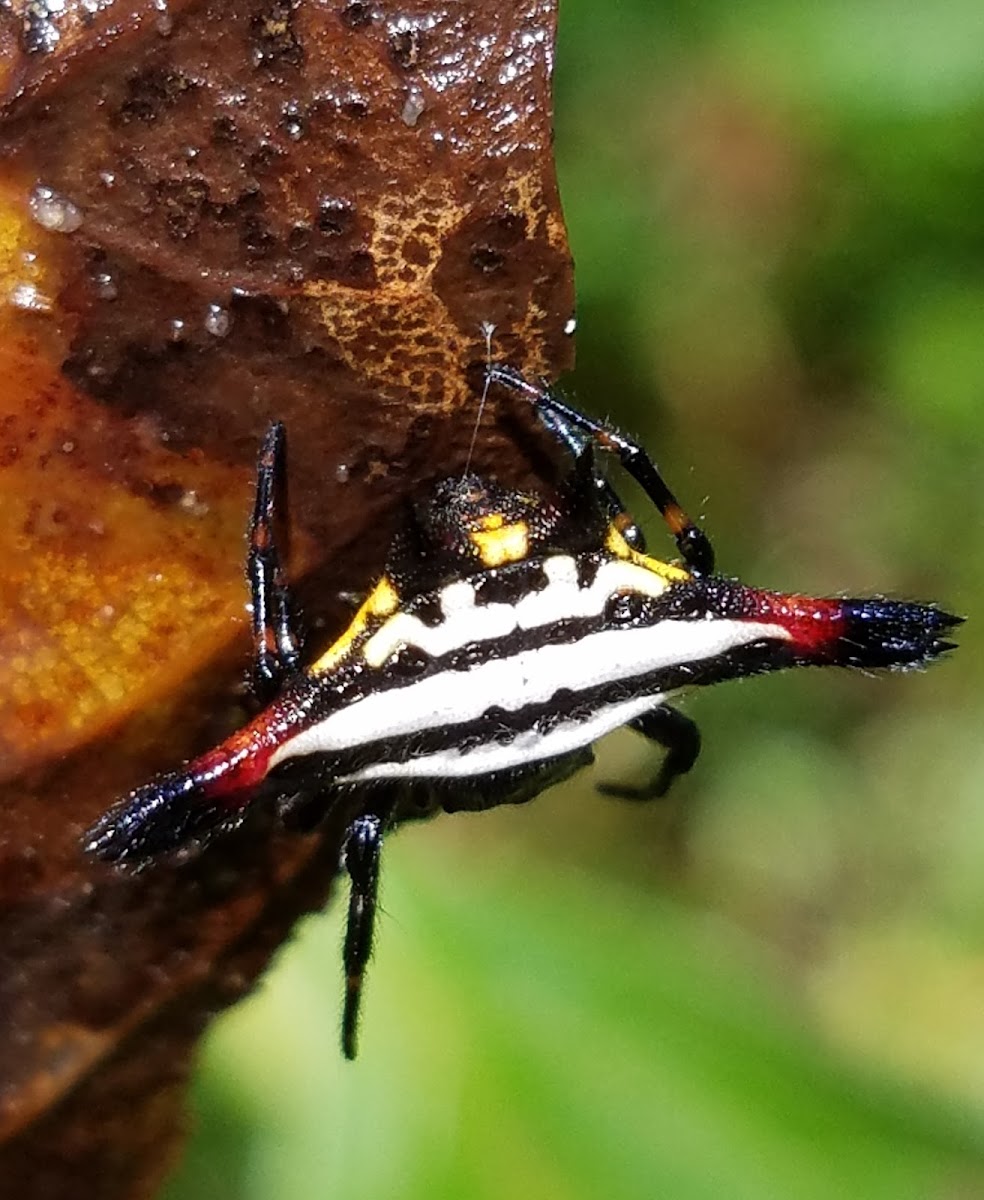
616	544
498	543
382	601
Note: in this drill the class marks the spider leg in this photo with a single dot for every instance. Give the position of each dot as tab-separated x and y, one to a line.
276	646
574	428
681	739
361	853
364	842
586	479
581	447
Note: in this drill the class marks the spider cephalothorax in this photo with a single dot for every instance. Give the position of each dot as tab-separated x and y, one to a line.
507	633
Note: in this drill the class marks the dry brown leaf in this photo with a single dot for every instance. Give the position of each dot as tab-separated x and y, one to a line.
212	216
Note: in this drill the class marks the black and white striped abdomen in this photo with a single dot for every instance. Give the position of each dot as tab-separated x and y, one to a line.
484	687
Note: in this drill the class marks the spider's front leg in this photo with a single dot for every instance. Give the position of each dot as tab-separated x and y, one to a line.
573	428
276	644
678	735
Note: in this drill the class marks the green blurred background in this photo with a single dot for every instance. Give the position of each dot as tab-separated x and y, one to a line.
771	985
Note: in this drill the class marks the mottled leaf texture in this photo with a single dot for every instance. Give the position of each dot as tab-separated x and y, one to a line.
213	215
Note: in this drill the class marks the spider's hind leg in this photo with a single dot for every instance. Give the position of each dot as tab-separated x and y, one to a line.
276	645
678	735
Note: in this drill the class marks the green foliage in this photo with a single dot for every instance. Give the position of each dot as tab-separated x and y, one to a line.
558	1035
771	986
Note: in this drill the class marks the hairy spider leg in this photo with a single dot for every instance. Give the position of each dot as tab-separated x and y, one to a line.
678	735
276	645
578	443
276	659
362	851
582	448
360	854
693	543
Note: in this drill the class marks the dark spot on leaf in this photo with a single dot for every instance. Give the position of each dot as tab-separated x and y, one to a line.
487	259
148	94
361	270
416	252
263	158
356	107
356	14
224	131
273	40
404	47
182	202
335	215
256	237
299	238
164	495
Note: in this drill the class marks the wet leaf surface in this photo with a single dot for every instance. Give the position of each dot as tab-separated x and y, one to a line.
210	217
